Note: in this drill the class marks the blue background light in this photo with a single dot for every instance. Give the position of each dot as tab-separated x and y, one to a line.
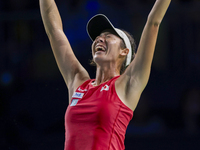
6	78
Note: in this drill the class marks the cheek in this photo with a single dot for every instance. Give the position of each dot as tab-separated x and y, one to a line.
92	48
114	47
115	44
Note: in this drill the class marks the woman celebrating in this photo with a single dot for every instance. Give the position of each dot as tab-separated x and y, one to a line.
100	109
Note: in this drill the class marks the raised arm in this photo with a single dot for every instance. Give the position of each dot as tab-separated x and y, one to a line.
141	66
137	74
72	71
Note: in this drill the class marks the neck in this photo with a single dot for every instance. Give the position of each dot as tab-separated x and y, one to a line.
104	74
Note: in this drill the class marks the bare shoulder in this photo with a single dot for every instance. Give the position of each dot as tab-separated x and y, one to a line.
127	91
78	80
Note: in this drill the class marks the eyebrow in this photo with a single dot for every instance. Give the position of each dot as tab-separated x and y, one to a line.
105	33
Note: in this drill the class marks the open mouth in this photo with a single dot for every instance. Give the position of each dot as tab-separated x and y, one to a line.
99	48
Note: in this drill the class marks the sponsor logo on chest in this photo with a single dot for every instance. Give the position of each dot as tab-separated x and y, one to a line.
82	90
74	102
80	95
77	95
105	88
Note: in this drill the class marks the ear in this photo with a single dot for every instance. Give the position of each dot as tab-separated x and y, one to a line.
124	52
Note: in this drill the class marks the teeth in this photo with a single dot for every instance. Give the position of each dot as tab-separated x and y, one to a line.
99	48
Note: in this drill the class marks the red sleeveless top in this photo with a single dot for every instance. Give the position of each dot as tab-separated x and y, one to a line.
96	119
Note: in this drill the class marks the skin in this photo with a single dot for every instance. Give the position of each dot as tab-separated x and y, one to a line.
109	61
132	82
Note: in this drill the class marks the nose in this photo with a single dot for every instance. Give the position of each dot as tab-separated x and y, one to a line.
100	39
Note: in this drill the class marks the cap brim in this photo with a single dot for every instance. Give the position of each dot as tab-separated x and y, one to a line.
97	24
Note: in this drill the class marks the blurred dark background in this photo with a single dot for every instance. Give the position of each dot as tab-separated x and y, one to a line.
33	95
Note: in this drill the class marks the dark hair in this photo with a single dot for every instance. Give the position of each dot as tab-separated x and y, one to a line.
122	44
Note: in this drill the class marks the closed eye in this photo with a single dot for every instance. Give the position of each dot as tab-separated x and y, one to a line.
108	36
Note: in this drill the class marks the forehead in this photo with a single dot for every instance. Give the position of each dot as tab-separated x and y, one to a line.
109	31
